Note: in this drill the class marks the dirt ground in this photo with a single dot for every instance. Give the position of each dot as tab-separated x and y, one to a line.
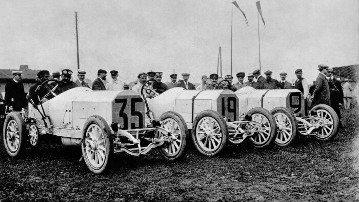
309	170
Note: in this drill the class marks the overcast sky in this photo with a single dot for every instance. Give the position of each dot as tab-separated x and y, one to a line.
133	36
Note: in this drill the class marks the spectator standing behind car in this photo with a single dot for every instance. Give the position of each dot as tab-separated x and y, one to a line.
15	97
185	83
173	82
203	85
348	94
81	79
240	84
229	78
336	94
251	81
36	94
157	85
269	82
213	81
115	84
283	83
301	83
65	83
99	83
56	76
321	93
259	78
142	78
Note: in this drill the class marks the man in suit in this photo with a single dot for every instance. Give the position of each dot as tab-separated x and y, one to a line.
185	83
269	82
203	85
173	82
65	83
81	79
99	83
251	81
283	83
301	83
35	93
240	84
336	94
115	83
213	81
15	97
259	78
321	93
157	85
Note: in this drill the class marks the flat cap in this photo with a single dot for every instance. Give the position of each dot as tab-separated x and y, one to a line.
101	71
81	72
185	74
56	74
15	72
151	73
228	77
240	74
250	75
66	72
257	71
42	73
268	72
141	74
174	76
298	71
283	73
113	72
322	66
213	76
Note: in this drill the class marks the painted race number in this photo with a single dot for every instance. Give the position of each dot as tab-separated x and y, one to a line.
129	113
295	101
229	109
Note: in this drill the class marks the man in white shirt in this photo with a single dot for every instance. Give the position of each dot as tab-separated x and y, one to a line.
301	83
142	78
283	83
115	84
203	85
81	79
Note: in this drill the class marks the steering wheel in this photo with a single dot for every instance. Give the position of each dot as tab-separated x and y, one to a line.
224	84
48	89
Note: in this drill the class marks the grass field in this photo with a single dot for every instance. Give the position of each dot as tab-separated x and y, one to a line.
306	171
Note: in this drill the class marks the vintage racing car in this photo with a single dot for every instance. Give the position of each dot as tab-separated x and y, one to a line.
102	122
213	117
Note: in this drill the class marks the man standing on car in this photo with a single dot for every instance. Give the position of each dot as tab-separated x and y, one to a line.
15	97
81	79
283	83
173	82
321	93
115	84
65	83
301	83
336	94
185	83
100	82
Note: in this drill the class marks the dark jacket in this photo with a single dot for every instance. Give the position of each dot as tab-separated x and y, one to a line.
285	85
64	86
321	91
336	95
159	87
270	84
98	85
15	95
181	83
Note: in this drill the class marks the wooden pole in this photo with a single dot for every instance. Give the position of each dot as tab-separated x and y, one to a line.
220	57
231	40
77	43
259	46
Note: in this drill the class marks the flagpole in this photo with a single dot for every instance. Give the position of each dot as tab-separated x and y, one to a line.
259	45
77	43
219	49
231	39
220	59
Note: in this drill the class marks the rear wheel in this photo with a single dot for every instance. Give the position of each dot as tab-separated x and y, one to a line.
263	123
329	121
209	133
177	135
13	134
286	126
97	145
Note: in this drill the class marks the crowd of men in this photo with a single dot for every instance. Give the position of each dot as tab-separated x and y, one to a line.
326	90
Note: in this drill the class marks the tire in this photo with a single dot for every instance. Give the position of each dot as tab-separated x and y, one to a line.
92	147
286	126
204	142
14	134
261	139
326	133
175	124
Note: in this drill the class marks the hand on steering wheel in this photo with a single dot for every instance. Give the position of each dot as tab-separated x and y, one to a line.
147	90
50	91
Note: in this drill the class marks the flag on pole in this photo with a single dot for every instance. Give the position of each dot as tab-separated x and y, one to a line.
260	10
245	17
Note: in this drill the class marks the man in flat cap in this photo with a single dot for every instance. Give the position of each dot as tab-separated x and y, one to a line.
240	84
115	84
336	94
283	83
213	81
15	97
173	82
65	83
56	76
142	78
269	82
81	79
301	83
100	82
185	83
259	78
36	94
203	85
157	85
251	81
151	75
321	93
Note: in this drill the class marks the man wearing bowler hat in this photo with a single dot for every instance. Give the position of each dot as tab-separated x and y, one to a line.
301	83
115	84
185	83
321	93
100	82
81	79
283	83
15	97
269	82
173	82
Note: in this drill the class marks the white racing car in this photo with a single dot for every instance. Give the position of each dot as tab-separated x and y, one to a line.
102	122
213	117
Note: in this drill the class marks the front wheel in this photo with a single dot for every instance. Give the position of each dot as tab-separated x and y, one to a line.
13	134
263	127
175	148
286	126
328	120
209	133
96	145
